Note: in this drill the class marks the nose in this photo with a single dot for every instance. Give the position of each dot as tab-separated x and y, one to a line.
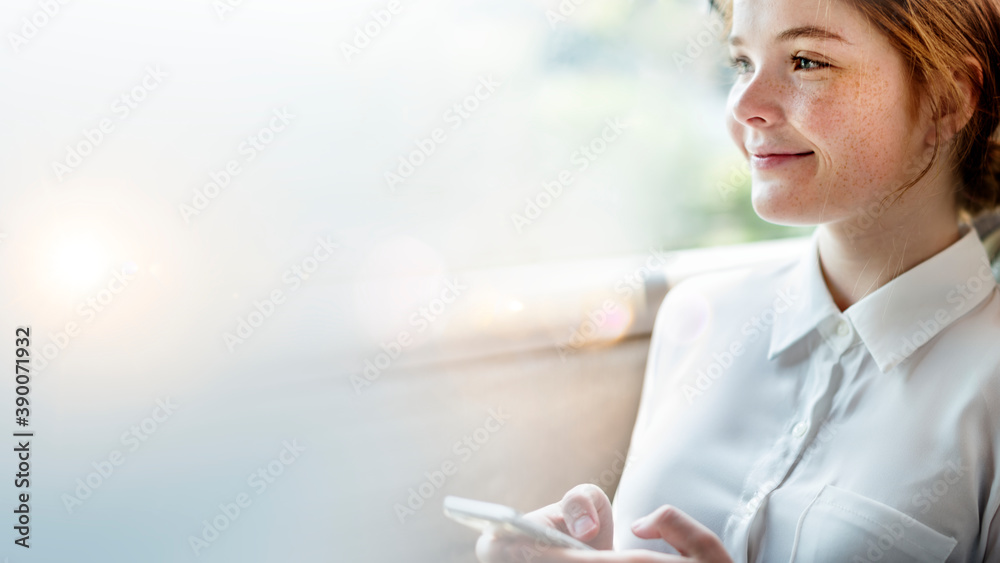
755	101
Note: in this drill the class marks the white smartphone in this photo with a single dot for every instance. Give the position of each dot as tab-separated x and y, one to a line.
503	520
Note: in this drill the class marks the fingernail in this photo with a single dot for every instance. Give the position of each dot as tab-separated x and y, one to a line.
640	523
582	525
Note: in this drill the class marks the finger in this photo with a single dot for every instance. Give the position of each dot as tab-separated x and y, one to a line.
586	511
687	535
583	499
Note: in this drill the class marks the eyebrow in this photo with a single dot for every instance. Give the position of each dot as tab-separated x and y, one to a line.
807	31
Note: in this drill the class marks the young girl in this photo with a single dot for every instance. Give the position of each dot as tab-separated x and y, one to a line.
845	406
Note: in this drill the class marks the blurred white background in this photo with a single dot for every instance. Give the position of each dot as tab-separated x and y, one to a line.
184	89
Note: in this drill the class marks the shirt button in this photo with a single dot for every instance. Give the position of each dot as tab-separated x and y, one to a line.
799	430
843	329
753	504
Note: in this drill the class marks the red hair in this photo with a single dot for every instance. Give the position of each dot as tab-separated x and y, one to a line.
937	38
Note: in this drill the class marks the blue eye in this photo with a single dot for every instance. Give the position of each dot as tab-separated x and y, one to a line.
740	64
802	63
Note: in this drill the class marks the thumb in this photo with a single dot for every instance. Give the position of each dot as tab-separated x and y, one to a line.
586	512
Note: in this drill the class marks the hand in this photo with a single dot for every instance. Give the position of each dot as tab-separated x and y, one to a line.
585	513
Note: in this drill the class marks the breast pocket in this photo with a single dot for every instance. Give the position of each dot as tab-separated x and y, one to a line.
846	527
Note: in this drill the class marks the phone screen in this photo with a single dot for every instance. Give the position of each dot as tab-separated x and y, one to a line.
505	521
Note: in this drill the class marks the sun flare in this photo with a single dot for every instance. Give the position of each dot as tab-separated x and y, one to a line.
79	261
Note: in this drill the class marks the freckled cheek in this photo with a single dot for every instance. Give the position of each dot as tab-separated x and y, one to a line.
874	137
848	131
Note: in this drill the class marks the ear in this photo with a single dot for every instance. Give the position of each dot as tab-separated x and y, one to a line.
953	117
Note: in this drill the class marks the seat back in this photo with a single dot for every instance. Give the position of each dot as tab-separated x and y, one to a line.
988	227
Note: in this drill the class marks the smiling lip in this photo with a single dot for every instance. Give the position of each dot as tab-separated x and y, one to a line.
767	161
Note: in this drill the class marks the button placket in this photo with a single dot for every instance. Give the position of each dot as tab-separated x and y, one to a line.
822	378
786	451
798	436
843	328
838	333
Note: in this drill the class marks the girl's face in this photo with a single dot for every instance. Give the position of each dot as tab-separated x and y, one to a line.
819	107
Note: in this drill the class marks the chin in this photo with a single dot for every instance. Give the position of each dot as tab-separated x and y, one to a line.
783	207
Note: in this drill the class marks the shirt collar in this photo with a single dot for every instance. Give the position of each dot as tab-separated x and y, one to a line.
900	317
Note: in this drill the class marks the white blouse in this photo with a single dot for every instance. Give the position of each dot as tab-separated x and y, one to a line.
800	433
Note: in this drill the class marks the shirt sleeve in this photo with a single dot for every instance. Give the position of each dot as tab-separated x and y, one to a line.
648	380
656	382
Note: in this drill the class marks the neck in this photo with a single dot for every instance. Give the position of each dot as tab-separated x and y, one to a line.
857	261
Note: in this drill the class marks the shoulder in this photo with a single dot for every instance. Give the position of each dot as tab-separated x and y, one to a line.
976	337
969	352
974	340
708	312
726	294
